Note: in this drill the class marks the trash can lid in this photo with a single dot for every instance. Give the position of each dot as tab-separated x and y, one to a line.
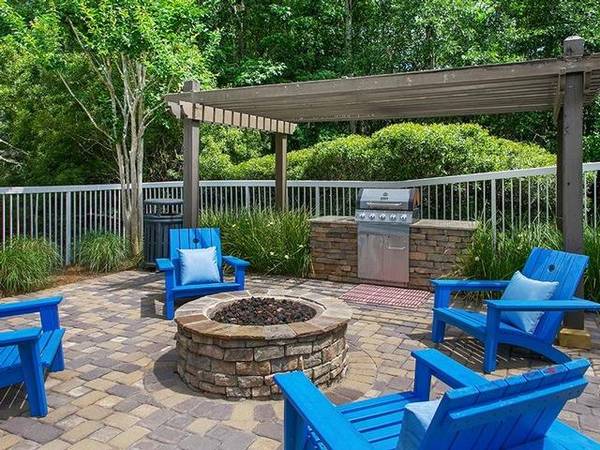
163	201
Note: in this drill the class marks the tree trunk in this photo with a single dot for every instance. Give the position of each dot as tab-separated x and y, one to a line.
125	82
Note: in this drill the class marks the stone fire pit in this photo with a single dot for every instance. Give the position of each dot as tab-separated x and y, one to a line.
239	361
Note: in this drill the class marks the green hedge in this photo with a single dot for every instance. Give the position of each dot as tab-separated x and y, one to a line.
483	260
397	152
274	242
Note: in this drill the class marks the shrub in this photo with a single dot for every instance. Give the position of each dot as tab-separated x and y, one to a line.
104	252
484	261
409	150
339	159
399	152
27	264
264	168
273	242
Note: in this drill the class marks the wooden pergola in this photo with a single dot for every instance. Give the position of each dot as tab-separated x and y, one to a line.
562	85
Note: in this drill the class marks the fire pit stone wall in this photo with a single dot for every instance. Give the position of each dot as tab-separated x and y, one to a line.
236	361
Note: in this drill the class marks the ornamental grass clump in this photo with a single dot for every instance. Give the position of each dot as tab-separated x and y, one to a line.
274	242
27	264
104	252
484	260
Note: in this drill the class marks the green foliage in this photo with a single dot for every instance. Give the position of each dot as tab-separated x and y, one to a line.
223	147
483	260
59	62
263	168
27	264
400	152
104	252
46	138
408	151
274	242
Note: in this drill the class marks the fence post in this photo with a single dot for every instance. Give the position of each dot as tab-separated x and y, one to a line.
318	201
247	195
494	211
68	229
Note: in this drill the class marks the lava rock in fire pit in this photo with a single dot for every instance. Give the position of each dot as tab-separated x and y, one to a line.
264	311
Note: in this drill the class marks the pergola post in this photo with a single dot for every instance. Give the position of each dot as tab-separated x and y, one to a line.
279	144
191	149
569	165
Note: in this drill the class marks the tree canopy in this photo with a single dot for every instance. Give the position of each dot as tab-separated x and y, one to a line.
48	49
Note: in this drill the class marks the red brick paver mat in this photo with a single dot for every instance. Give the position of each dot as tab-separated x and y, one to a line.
370	294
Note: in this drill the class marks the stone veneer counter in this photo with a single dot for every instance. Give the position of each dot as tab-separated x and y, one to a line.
435	246
239	361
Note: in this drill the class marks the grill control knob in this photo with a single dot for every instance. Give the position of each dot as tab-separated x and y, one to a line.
393	217
372	216
403	217
381	216
362	215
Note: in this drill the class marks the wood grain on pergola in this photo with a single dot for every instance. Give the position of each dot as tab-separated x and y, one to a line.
490	89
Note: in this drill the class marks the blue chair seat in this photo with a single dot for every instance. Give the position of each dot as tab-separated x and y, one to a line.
9	356
474	322
379	419
202	289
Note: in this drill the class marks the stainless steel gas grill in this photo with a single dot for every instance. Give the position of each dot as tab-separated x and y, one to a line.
383	217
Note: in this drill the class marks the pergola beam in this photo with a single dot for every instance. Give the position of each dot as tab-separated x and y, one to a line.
347	86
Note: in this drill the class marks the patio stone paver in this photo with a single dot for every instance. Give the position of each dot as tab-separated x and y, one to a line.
120	390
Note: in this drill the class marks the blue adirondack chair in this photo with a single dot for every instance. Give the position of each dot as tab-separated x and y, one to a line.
518	412
25	354
190	238
543	265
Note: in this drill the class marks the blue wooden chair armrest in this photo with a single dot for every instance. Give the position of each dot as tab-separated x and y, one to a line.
164	265
46	307
431	362
28	306
445	287
17	337
239	266
470	285
235	262
305	404
543	305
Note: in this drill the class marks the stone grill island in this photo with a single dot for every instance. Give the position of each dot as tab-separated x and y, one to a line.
239	361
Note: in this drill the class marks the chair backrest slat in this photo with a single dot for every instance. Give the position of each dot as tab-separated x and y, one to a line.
192	238
554	265
488	435
505	413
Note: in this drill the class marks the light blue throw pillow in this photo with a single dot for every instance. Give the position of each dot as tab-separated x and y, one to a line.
523	288
199	266
417	418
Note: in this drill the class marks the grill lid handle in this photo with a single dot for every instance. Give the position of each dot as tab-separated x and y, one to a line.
385	205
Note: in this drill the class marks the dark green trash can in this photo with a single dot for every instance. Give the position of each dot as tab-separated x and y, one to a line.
160	215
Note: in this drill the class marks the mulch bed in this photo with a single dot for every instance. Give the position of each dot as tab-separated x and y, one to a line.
264	311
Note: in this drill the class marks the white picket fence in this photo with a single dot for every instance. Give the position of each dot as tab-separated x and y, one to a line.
516	198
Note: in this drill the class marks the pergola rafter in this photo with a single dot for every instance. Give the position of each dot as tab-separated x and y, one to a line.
491	89
562	85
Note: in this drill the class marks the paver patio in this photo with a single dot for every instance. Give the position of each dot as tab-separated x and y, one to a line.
119	389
